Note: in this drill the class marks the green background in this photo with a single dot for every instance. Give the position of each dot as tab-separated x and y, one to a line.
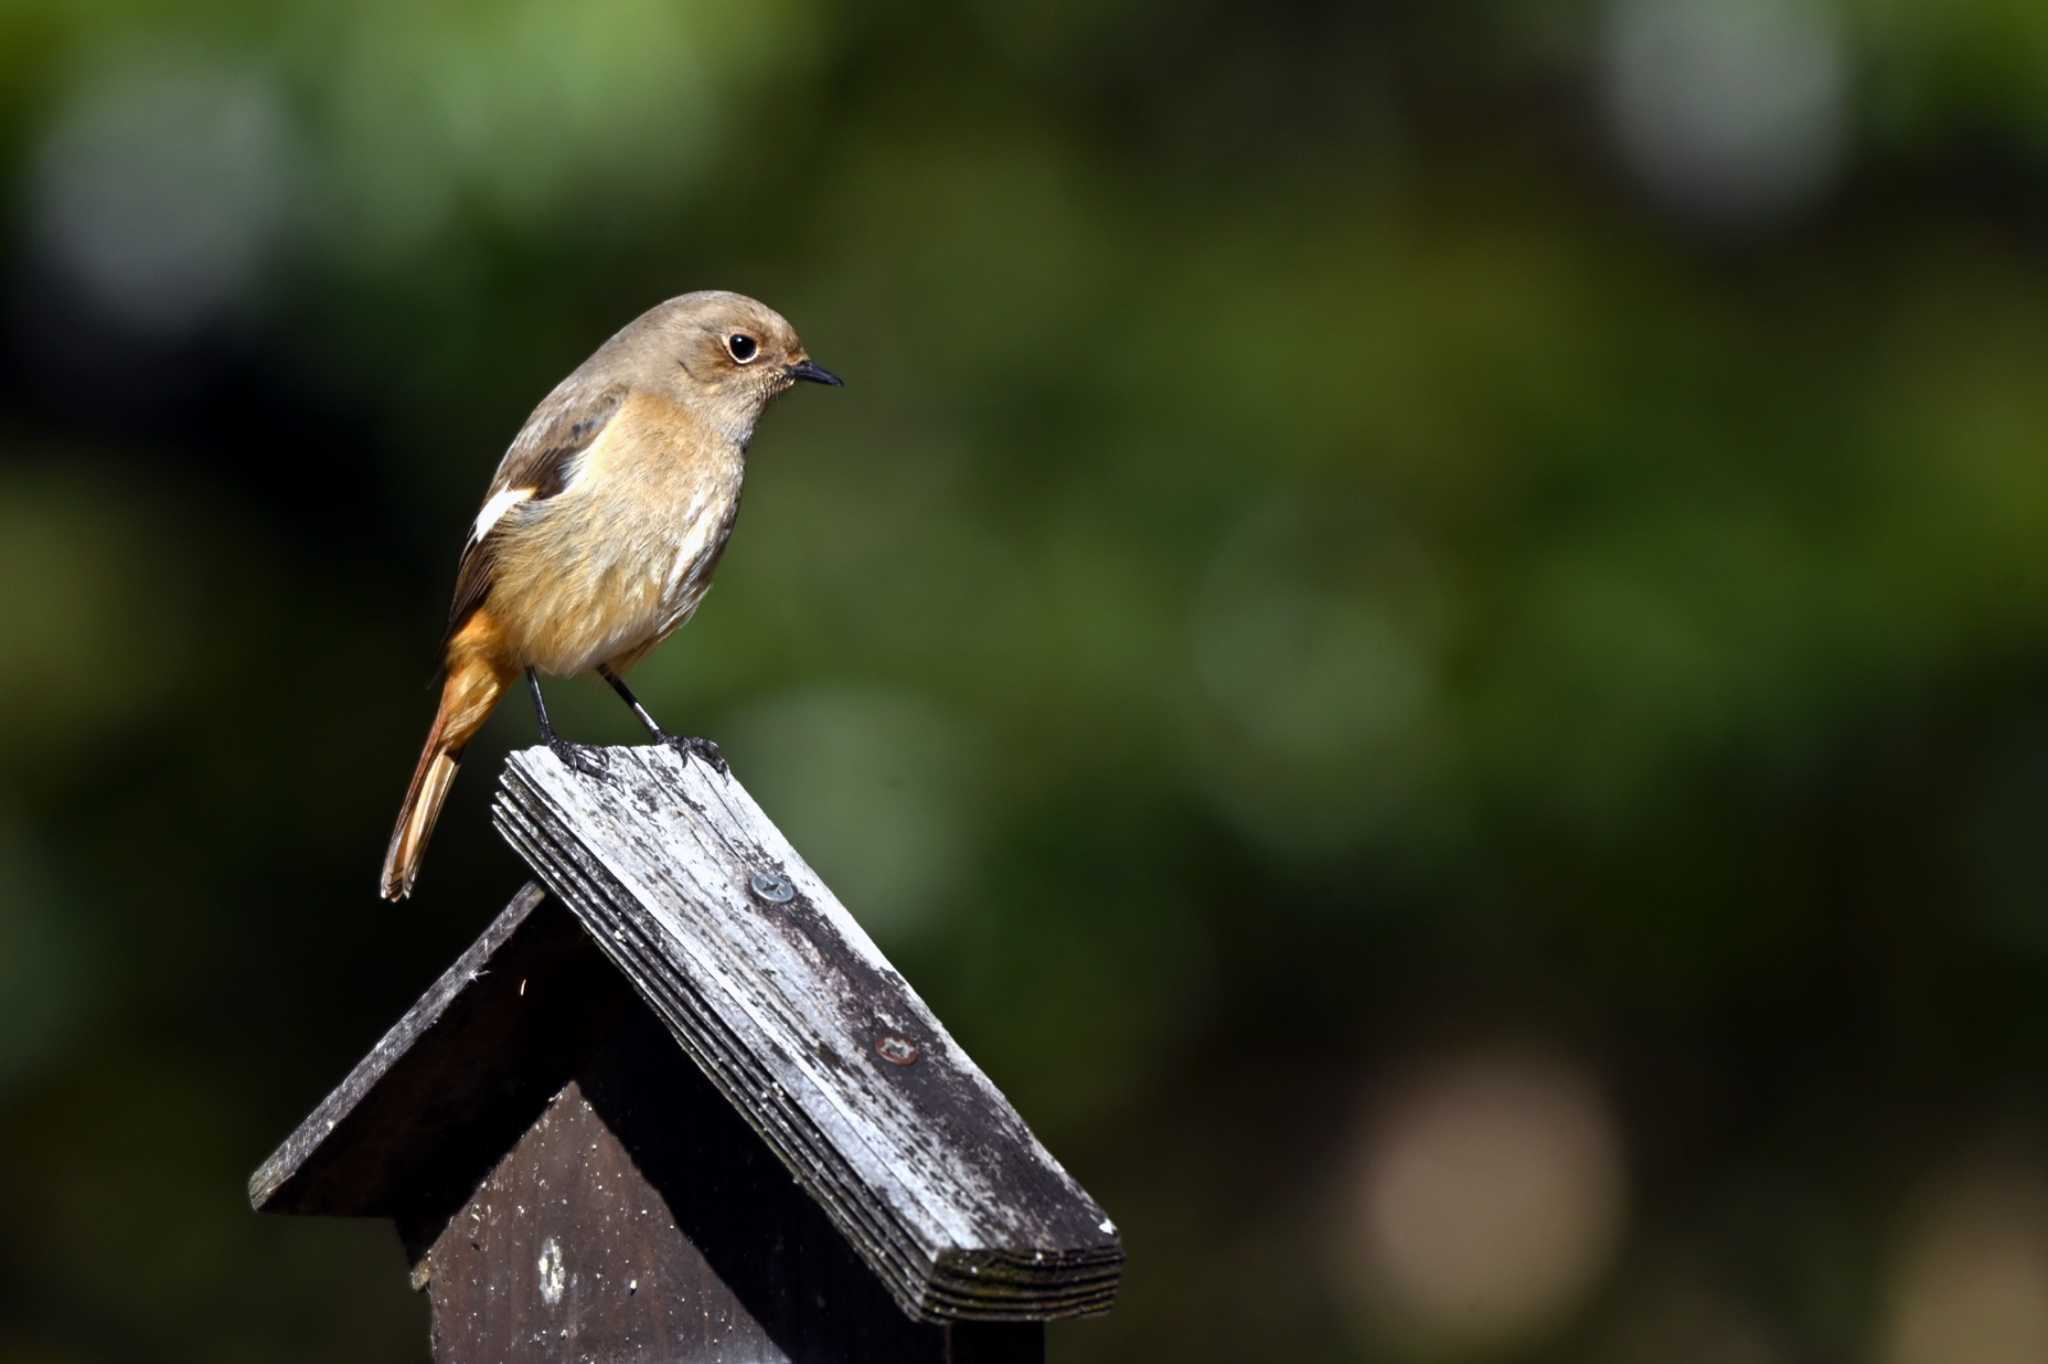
1426	625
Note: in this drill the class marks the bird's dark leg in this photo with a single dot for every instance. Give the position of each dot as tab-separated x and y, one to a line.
582	758
683	744
625	692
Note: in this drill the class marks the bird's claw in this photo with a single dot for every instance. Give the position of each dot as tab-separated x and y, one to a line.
585	758
703	748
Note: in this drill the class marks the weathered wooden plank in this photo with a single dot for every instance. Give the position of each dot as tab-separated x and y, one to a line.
785	1003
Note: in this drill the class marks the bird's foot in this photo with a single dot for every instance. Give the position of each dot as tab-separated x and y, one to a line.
588	759
702	748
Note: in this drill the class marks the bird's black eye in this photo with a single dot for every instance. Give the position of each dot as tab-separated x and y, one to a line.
742	346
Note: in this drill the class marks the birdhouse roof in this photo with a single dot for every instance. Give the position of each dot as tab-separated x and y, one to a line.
767	984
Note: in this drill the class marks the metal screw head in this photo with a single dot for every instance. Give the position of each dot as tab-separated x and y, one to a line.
771	887
897	1051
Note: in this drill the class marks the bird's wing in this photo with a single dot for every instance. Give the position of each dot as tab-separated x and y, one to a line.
540	462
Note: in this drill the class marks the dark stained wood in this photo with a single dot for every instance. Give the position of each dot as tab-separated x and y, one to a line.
466	1068
776	993
639	1220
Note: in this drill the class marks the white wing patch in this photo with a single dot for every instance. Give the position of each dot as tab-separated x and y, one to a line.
495	509
689	550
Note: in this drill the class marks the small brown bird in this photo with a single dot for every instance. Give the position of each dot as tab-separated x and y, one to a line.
602	528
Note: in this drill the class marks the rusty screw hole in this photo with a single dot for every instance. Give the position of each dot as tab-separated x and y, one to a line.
897	1051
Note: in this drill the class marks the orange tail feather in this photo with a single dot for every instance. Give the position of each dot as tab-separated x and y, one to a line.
472	689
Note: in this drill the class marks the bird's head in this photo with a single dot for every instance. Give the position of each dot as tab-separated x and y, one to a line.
723	354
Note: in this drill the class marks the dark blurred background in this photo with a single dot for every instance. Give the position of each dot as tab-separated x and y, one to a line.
1425	624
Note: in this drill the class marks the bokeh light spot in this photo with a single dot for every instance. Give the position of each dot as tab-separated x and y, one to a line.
1971	1284
1490	1198
1730	111
162	188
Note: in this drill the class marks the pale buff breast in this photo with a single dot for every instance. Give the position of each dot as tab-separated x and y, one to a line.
620	557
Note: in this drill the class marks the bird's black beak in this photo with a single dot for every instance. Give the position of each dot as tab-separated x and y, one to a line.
816	374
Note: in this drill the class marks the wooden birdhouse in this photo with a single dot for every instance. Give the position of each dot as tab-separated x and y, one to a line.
674	1105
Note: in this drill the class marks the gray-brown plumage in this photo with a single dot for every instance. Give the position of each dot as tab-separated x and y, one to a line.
602	528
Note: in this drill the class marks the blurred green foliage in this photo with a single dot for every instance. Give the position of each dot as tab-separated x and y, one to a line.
1321	565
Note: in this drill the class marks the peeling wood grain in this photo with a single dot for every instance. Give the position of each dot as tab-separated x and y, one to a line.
802	1024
